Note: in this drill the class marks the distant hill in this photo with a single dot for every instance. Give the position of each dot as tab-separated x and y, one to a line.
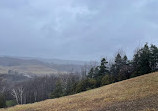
136	94
37	65
10	61
57	61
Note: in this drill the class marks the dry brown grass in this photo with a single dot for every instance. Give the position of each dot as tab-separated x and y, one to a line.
98	99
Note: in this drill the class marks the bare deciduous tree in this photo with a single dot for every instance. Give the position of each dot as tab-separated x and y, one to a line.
18	94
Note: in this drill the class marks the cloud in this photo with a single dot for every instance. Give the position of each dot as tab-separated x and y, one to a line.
76	29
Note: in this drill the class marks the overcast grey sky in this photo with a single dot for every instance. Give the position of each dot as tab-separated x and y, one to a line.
76	29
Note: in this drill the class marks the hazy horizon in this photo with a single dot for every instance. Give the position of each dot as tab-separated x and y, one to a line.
44	58
76	29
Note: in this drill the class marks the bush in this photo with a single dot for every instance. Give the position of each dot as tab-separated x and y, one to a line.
92	83
10	103
81	86
85	85
106	80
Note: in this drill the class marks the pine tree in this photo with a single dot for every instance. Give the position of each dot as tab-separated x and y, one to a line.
141	61
118	62
125	60
2	101
103	68
91	73
96	72
116	67
153	57
58	92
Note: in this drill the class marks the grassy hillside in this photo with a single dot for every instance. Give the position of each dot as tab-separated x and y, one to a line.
136	94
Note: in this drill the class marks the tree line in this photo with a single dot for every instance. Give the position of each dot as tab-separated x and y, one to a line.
145	60
35	89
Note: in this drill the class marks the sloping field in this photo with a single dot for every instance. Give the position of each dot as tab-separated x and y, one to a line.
136	94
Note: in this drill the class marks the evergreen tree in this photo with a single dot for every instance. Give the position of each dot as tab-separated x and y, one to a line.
125	60
103	68
141	61
120	69
153	57
2	101
118	62
125	69
96	72
58	92
91	73
69	88
116	67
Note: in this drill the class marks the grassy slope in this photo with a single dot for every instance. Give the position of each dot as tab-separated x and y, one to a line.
123	96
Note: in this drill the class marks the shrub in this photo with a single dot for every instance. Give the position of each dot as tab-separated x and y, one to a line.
10	103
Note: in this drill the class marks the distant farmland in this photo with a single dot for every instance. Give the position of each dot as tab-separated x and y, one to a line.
35	66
